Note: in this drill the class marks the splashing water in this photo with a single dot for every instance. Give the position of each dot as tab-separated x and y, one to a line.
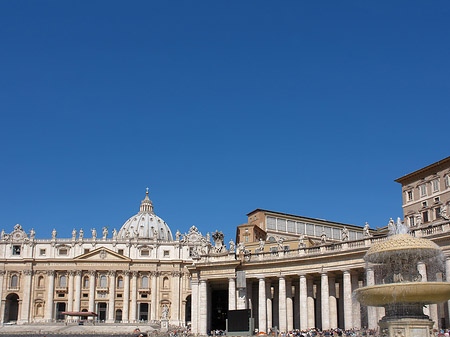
397	228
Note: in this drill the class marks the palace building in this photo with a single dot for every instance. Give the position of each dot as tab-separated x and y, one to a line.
289	271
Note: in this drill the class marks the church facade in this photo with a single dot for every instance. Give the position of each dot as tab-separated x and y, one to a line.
138	275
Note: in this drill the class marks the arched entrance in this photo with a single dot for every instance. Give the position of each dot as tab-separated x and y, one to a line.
11	308
188	309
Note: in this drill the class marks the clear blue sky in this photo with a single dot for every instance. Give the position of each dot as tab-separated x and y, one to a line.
220	107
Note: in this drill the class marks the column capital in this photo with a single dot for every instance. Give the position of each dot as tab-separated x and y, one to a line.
346	271
2	272
135	273
92	273
176	273
71	272
78	272
50	273
112	273
127	272
155	273
28	272
302	274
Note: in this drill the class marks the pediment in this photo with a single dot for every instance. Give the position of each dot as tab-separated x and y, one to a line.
102	254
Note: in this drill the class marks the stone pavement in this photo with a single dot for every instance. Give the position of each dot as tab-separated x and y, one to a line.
73	329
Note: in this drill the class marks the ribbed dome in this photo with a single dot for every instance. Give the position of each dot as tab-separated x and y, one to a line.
146	224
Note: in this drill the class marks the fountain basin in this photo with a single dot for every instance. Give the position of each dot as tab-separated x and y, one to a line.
408	292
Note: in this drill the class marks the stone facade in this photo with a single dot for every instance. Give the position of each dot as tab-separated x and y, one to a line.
123	278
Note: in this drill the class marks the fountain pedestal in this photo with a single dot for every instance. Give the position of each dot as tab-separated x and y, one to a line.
406	327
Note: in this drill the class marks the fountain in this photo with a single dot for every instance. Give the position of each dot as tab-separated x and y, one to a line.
400	289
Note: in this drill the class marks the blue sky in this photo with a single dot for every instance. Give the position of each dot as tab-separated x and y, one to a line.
220	107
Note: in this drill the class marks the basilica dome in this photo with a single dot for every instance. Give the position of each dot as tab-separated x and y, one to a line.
146	224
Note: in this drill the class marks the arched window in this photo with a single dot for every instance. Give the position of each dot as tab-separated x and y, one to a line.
86	282
62	281
166	282
120	282
14	281
103	281
144	282
41	282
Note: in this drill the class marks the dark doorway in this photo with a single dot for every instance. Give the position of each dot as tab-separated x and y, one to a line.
219	309
118	315
11	308
84	318
101	311
60	308
187	311
143	312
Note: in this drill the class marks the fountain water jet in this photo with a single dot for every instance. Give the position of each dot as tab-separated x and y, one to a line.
402	292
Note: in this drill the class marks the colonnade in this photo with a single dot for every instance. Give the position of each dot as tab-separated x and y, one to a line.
303	301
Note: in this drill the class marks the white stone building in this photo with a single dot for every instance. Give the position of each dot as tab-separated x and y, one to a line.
126	276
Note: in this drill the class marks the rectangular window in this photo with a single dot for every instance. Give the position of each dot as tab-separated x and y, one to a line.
143	295
352	235
291	226
447	181
300	228
167	253
437	213
318	230
409	195
86	250
145	252
336	233
281	225
424	204
435	184
85	295
425	216
61	295
16	250
411	221
42	252
119	295
437	199
327	231
62	251
423	190
271	223
309	229
120	251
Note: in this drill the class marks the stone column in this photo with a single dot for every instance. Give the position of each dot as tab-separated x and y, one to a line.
133	307
154	311
92	275
70	293
447	276
249	294
371	311
232	293
77	304
2	307
356	306
203	314
289	306
126	296
333	302
194	306
176	298
112	295
348	302
282	304
310	302
50	291
303	302
262	318
25	307
431	309
325	301
269	305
